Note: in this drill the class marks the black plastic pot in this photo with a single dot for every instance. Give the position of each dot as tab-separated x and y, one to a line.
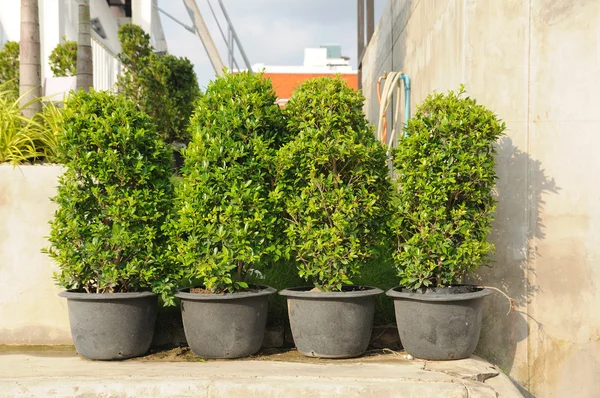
332	324
228	325
440	323
107	326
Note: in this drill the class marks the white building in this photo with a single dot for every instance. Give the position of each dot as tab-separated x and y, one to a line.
326	60
59	18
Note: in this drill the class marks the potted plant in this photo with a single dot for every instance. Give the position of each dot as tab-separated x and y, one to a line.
226	226
334	182
106	233
445	175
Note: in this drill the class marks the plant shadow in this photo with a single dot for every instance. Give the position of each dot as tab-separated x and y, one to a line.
521	189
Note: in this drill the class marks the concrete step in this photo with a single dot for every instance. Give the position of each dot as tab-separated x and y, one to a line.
43	375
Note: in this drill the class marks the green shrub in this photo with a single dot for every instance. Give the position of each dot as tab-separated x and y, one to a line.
63	59
334	181
112	199
163	86
183	91
9	69
227	225
144	78
24	140
446	174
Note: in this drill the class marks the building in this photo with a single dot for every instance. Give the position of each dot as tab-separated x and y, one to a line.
59	19
326	60
537	65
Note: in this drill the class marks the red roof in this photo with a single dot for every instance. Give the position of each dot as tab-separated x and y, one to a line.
285	83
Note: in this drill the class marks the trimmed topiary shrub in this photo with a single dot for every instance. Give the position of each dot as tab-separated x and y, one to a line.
446	175
63	59
183	91
163	86
112	199
144	78
227	225
334	181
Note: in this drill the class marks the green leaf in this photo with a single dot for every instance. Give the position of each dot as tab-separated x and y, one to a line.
445	170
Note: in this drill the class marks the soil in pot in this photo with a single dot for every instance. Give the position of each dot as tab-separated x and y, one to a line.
225	325
439	323
109	326
331	324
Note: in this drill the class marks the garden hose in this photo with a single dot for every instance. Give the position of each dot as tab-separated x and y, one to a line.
393	82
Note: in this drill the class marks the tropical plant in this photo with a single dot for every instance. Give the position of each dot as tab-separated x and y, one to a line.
24	140
446	175
183	91
9	68
334	181
145	77
113	199
63	59
84	64
227	226
50	121
30	84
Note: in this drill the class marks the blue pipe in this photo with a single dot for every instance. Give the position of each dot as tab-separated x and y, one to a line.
406	79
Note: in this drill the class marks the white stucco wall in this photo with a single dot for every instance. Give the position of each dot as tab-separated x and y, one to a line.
30	310
141	14
536	63
10	19
59	18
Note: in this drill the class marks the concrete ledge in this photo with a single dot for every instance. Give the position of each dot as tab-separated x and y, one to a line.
26	375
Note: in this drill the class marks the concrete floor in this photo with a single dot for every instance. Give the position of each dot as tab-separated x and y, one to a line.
61	374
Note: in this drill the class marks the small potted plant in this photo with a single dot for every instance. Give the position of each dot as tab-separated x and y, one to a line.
334	181
226	226
106	234
445	170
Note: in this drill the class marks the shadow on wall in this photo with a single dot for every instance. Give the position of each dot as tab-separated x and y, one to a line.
521	189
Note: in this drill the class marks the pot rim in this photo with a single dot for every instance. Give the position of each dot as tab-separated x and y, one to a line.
394	293
75	295
186	295
301	292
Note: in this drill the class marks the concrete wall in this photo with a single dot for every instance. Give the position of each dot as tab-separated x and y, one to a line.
536	63
30	310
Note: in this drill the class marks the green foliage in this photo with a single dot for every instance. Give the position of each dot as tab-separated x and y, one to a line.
227	225
379	271
24	140
446	174
165	87
63	59
113	198
334	182
9	69
144	78
280	274
49	125
183	91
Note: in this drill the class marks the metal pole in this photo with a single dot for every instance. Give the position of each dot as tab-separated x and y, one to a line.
370	20
361	28
217	20
204	35
231	46
176	20
360	45
235	36
220	29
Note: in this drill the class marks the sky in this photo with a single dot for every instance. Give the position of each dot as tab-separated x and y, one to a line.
272	32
